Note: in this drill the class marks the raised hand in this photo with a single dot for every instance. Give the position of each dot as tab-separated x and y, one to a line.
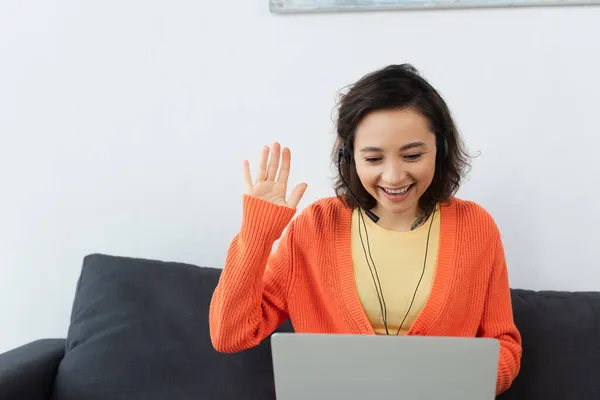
271	186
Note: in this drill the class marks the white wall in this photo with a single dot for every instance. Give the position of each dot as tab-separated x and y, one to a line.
123	126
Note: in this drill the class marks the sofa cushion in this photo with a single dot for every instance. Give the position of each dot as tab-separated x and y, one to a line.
561	345
139	330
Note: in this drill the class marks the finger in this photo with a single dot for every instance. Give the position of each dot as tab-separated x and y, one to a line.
284	171
262	164
296	195
247	176
274	162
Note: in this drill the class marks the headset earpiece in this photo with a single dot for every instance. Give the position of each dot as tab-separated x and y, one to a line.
345	154
340	155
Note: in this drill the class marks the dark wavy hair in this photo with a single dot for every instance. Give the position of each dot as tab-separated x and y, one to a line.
399	87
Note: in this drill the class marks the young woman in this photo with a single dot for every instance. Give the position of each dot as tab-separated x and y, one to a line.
393	253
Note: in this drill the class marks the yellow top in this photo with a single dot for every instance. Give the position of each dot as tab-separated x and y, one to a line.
398	258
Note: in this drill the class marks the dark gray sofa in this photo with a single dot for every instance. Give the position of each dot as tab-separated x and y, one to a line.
139	330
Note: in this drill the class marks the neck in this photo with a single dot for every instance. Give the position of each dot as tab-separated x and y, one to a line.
404	221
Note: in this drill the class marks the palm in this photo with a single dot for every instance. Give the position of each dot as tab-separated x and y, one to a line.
269	191
272	179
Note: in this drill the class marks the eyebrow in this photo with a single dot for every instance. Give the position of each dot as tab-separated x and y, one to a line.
403	148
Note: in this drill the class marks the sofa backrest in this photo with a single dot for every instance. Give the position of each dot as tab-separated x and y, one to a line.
139	329
561	345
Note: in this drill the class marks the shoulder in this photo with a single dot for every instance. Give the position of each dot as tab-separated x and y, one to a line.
321	217
473	218
327	209
470	209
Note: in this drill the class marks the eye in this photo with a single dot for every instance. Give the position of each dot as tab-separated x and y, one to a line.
372	159
413	157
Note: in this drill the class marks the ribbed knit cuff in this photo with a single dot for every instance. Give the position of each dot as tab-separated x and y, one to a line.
264	220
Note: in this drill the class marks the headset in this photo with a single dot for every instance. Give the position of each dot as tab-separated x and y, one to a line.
344	154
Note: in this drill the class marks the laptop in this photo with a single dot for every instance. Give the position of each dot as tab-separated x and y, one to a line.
359	367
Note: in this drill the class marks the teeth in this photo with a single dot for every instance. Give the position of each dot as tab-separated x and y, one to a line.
397	191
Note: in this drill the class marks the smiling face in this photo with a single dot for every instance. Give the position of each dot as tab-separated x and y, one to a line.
395	154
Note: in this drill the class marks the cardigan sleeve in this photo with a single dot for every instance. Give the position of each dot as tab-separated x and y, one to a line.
498	322
250	300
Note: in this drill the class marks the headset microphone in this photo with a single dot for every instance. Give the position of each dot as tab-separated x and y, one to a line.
343	154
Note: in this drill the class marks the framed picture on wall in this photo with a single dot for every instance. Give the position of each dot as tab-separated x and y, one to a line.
297	6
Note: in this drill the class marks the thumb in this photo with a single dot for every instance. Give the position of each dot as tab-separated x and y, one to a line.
296	195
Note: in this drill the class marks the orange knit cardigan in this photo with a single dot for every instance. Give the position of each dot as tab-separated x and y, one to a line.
309	279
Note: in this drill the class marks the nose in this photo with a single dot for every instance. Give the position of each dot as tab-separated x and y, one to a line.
394	173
